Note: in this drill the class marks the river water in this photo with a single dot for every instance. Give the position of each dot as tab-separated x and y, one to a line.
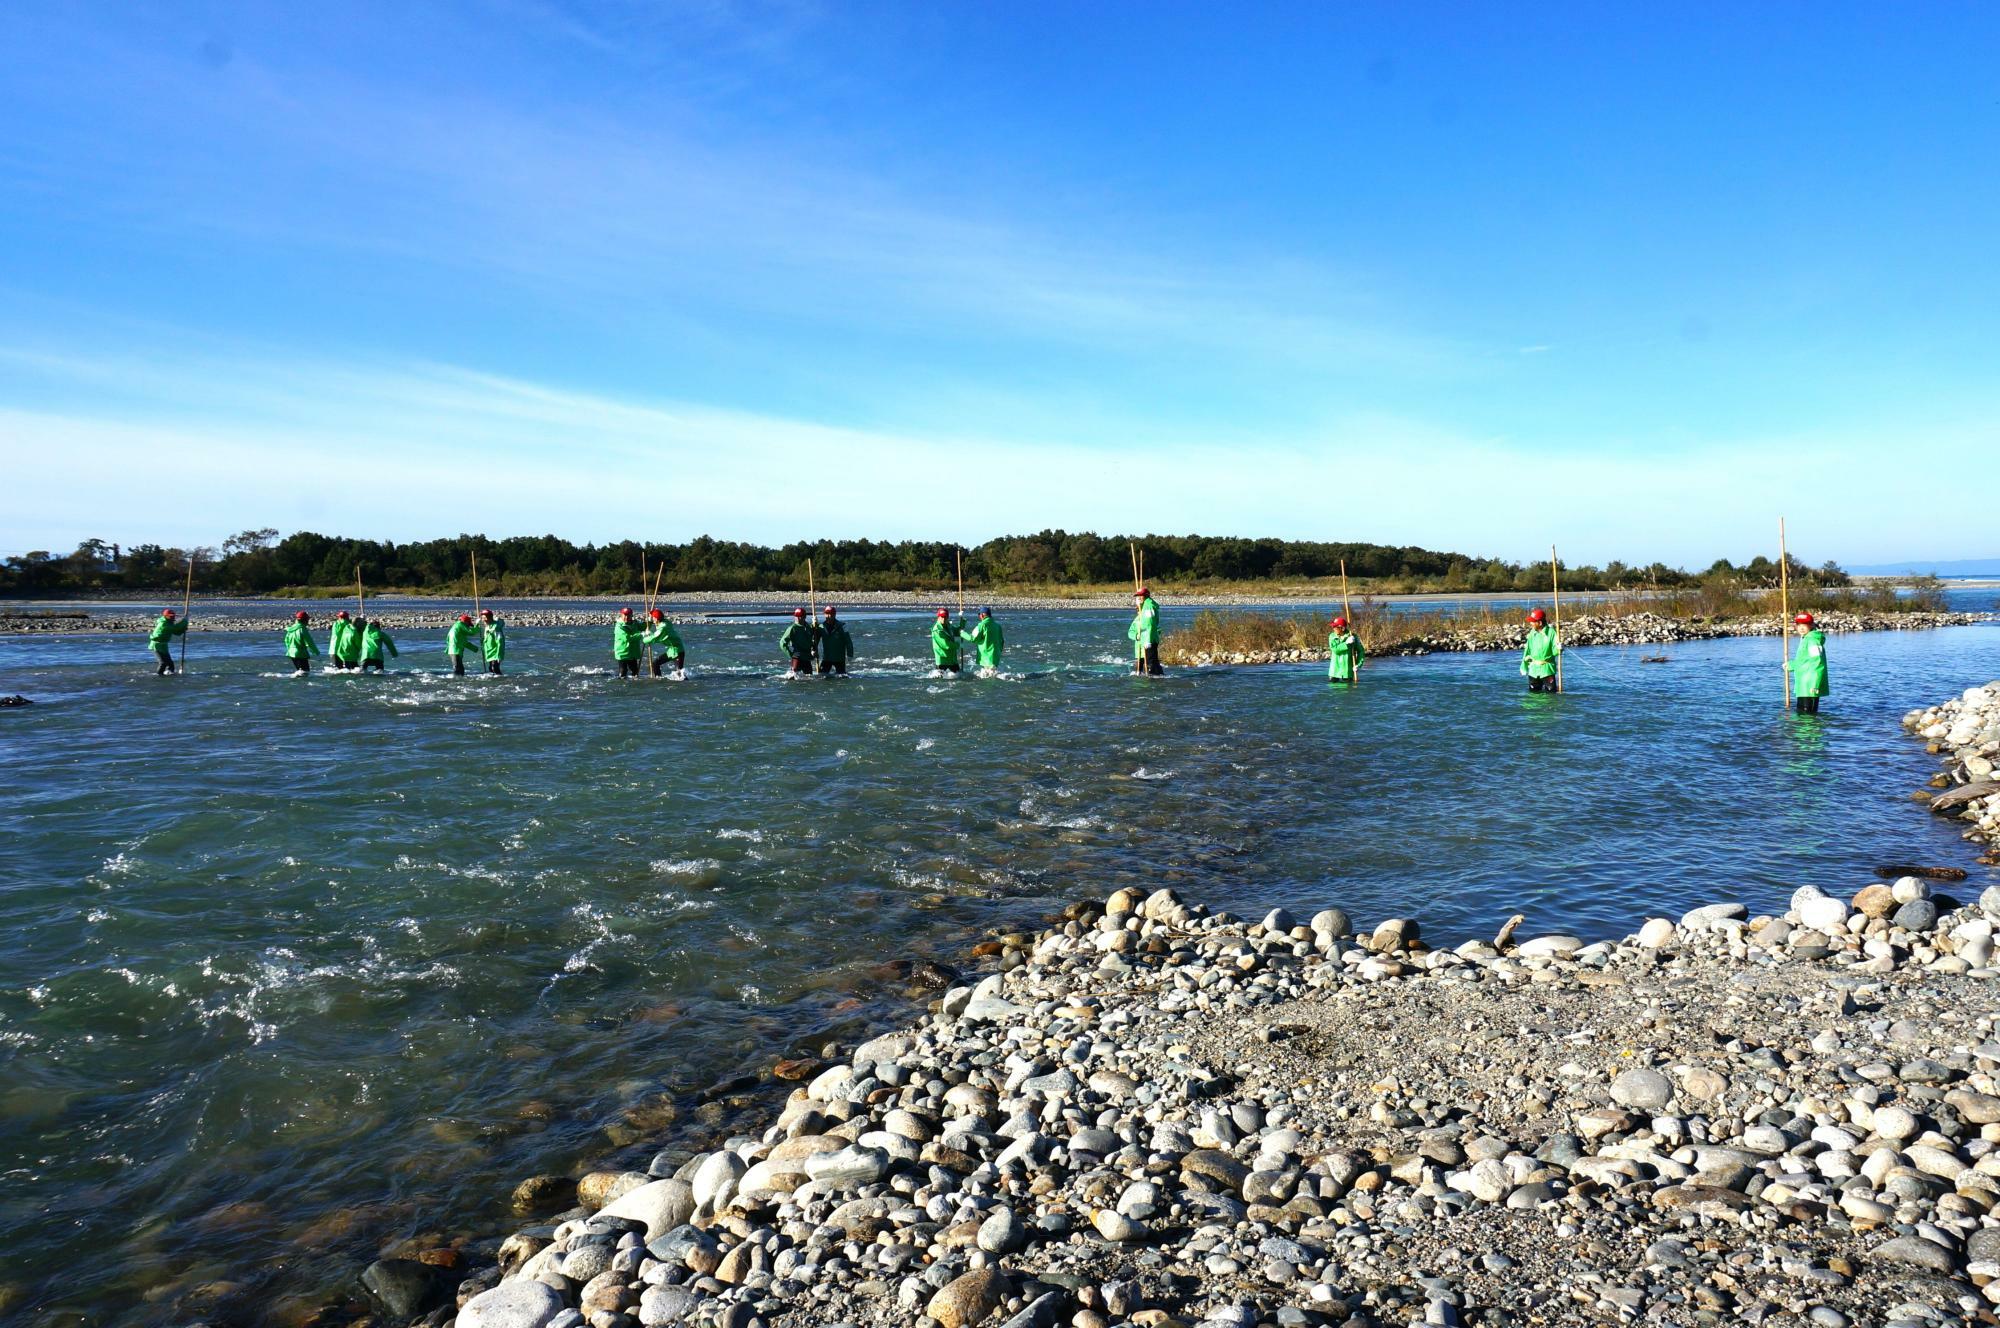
293	969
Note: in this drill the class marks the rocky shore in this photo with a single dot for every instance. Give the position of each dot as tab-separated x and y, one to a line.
1158	1115
1966	732
1581	630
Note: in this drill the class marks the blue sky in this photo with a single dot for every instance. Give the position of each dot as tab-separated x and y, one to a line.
1633	279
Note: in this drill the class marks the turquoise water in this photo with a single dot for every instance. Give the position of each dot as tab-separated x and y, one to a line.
291	969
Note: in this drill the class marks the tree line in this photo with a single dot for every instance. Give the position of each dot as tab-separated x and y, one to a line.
259	562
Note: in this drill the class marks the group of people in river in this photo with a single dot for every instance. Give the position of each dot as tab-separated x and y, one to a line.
359	643
827	647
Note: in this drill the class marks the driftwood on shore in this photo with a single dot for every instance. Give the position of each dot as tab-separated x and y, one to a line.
1964	794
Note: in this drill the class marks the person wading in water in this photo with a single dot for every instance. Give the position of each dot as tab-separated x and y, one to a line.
1145	633
161	640
1808	666
1538	654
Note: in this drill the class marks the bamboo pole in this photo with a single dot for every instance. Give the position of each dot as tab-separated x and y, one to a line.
360	600
1133	549
475	583
1345	611
812	595
646	605
961	584
187	593
1784	611
1555	581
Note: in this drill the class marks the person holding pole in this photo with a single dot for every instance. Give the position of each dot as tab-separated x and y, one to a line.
798	644
1145	633
1344	653
161	639
626	634
1808	667
492	640
987	642
342	642
946	637
1540	652
373	642
836	644
299	645
671	655
456	639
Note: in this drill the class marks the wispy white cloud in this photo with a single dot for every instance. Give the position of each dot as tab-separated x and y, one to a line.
196	449
642	199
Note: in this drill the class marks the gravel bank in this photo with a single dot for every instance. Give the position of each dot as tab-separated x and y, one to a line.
1582	630
1966	732
1155	1115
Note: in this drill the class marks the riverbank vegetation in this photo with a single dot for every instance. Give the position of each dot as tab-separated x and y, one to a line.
1717	598
1054	562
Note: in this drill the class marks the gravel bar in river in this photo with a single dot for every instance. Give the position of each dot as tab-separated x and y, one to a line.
1158	1115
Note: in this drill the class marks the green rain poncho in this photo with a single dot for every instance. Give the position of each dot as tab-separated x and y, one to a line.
1808	665
1539	651
164	630
626	634
493	640
663	635
374	641
299	641
836	643
1145	629
1344	656
457	638
343	641
986	641
945	637
797	642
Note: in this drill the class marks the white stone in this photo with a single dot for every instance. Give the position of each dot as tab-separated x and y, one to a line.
511	1305
1656	933
661	1205
1824	914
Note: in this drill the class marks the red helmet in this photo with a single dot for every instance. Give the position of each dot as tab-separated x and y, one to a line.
341	614
624	613
1340	622
166	613
1535	615
1803	620
656	614
828	611
798	613
944	613
484	613
466	617
1141	591
300	615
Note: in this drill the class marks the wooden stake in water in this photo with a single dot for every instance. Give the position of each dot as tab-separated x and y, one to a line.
1556	582
187	593
1784	611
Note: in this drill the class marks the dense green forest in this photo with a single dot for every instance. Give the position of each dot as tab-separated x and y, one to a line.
259	562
